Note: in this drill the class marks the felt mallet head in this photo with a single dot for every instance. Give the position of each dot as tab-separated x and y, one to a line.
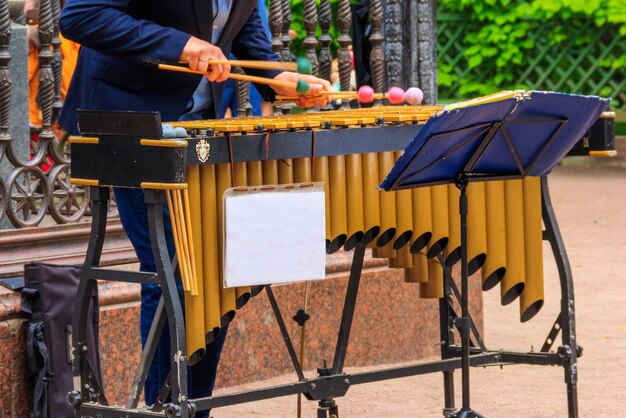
303	87
305	66
366	94
414	96
395	95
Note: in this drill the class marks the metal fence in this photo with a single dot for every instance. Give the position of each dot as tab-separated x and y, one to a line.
581	65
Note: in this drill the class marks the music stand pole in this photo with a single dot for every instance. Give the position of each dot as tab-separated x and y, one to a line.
463	323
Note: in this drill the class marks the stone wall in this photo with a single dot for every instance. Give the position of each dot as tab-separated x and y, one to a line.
392	324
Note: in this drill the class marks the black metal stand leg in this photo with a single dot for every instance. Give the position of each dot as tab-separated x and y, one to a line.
181	406
284	332
348	309
445	319
321	413
553	334
327	407
90	387
463	323
455	293
569	351
147	355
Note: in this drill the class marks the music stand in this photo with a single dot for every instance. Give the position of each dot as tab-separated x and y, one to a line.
509	135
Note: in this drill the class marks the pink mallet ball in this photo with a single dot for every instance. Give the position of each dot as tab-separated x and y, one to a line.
395	95
414	96
366	94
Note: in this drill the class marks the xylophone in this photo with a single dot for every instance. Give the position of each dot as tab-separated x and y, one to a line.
350	152
408	227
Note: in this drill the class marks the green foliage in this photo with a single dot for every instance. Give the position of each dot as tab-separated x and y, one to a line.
534	43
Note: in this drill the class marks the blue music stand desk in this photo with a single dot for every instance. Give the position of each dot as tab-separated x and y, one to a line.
508	135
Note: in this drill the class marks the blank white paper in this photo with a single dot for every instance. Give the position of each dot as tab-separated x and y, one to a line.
274	236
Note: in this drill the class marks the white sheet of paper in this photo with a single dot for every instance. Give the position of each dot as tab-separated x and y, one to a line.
274	236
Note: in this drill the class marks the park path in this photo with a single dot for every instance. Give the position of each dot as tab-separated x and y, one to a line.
590	201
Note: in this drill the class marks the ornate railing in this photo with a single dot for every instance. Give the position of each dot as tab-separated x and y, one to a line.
37	186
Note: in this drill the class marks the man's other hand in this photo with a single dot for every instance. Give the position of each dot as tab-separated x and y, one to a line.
198	53
31	11
311	99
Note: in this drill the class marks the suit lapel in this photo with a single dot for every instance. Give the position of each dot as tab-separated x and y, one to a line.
204	18
239	13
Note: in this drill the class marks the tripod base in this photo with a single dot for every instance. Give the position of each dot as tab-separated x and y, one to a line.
467	413
328	409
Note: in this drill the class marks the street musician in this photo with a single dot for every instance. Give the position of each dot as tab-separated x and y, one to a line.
122	43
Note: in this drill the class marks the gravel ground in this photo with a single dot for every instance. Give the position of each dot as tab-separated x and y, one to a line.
589	198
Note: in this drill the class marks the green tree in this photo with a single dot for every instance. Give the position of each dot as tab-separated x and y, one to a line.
503	37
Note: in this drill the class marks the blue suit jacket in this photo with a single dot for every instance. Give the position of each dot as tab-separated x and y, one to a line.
123	40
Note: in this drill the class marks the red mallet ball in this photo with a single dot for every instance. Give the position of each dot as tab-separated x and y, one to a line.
366	94
414	96
395	95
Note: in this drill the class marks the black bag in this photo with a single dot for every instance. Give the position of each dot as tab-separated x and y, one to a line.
48	300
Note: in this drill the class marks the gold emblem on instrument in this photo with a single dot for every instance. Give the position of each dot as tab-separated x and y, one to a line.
203	150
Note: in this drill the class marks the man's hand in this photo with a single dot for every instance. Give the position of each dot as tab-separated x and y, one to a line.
31	11
312	98
198	53
32	34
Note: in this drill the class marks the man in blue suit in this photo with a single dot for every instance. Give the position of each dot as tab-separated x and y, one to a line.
122	41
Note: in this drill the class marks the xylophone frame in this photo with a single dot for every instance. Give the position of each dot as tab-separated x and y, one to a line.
332	382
